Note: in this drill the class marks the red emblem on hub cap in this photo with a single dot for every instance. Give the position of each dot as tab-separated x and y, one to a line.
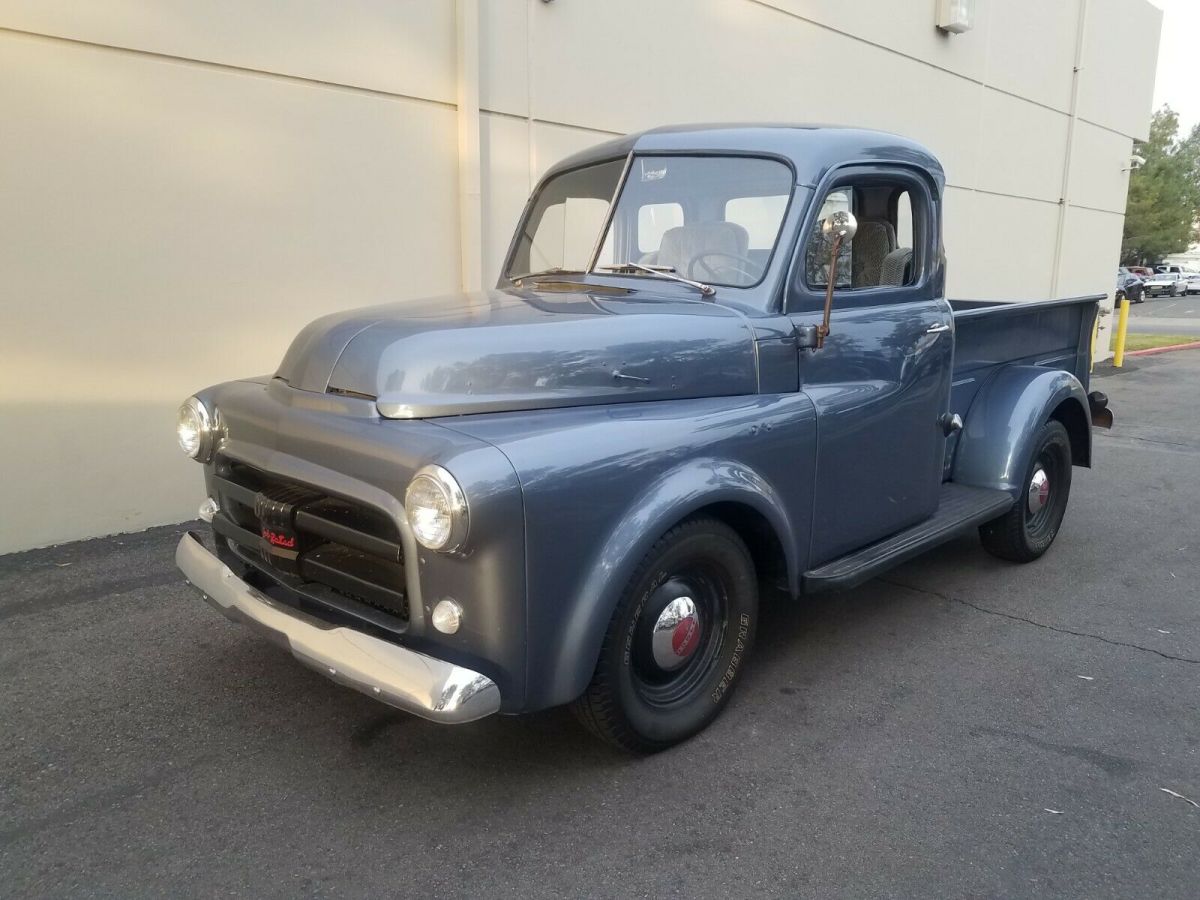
686	636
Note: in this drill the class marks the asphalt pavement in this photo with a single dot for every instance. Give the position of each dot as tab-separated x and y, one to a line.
1166	315
963	727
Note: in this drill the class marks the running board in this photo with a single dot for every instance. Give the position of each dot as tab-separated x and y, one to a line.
960	509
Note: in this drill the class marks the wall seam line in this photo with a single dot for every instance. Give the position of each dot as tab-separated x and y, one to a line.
767	4
522	118
232	67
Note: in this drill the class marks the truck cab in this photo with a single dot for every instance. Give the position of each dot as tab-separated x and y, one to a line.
718	360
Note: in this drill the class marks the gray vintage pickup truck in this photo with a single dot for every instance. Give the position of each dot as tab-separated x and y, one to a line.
719	360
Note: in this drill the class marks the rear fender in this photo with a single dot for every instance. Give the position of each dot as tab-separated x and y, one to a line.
1003	420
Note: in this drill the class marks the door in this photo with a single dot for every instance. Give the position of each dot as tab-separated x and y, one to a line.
881	382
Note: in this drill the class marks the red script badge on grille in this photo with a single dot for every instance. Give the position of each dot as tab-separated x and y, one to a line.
278	540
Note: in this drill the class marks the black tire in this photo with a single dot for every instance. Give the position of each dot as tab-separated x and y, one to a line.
634	704
1025	533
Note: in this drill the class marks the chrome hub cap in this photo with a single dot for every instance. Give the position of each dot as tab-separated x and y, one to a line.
676	634
1039	492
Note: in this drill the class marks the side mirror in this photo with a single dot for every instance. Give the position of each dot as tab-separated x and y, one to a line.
839	227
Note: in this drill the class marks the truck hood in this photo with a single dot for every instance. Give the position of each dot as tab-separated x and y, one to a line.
517	349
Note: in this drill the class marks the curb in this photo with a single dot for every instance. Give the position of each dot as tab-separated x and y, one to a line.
1191	345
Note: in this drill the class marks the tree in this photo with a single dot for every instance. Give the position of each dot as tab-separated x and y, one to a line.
1164	194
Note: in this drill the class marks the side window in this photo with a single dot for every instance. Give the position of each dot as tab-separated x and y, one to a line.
904	220
817	254
881	254
655	220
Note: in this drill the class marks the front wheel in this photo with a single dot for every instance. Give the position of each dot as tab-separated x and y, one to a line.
1027	530
678	641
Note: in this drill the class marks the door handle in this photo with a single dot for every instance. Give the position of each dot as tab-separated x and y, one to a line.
938	328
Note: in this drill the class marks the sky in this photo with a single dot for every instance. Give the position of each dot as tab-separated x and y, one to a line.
1178	81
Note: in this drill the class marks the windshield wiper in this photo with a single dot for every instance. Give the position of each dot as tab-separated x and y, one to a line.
668	272
556	270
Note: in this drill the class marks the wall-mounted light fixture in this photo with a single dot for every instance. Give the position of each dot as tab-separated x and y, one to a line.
956	16
1135	162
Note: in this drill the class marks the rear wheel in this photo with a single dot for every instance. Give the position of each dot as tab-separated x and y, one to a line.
677	642
1027	530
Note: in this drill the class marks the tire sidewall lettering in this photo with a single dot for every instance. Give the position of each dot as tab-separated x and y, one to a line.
735	660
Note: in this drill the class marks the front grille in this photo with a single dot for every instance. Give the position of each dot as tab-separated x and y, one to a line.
300	536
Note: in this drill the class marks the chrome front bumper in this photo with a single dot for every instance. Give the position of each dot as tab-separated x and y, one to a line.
411	681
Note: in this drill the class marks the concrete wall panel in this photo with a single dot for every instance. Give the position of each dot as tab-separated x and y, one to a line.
1097	179
504	56
588	51
554	142
1031	49
505	161
999	248
1116	86
904	28
1021	147
1090	235
211	216
398	46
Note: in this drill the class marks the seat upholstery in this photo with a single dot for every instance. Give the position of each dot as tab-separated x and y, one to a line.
682	244
894	271
874	241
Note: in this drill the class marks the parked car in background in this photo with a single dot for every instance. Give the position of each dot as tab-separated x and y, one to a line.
1142	272
1173	284
1193	283
1128	285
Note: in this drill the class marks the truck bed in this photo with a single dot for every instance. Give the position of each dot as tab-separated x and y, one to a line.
1056	334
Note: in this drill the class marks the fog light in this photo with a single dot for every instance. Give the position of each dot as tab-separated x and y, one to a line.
208	509
447	616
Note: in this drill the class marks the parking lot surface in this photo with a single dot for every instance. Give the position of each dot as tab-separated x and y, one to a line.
962	727
1166	315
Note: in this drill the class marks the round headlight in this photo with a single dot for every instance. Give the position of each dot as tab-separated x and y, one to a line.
437	509
195	430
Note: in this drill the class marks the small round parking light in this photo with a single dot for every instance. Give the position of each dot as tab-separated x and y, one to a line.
208	509
447	616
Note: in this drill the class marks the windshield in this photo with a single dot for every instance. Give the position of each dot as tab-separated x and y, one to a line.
715	219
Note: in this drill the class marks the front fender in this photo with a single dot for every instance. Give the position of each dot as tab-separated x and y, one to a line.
994	447
674	497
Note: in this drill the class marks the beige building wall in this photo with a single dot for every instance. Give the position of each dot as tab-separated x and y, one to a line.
184	185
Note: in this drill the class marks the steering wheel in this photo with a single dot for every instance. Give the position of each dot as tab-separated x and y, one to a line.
742	265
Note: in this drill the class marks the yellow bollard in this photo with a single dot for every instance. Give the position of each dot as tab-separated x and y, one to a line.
1122	324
